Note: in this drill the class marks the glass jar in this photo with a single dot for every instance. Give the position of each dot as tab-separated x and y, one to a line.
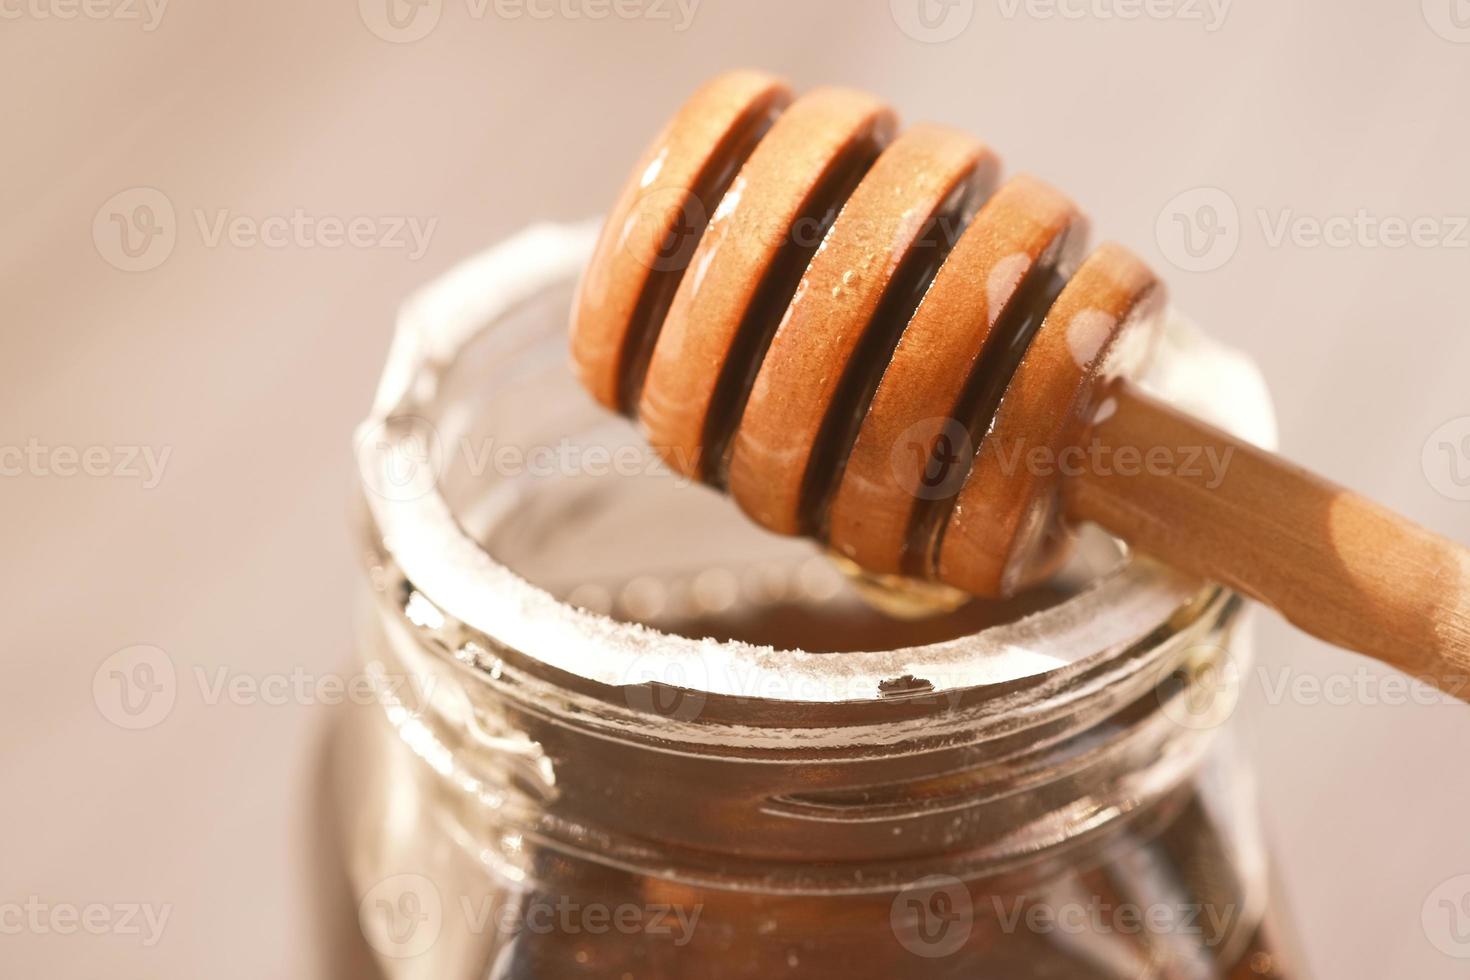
618	732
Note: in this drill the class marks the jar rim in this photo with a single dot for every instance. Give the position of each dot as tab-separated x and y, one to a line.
484	614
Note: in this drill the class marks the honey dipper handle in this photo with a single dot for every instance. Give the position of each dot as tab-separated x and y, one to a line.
1332	562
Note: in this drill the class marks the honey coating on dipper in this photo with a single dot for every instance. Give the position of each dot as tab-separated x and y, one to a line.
746	269
851	334
657	221
1104	323
849	306
910	457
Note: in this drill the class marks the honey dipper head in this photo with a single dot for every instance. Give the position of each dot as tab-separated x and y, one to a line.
856	332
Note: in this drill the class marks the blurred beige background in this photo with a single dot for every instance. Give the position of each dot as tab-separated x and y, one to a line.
245	344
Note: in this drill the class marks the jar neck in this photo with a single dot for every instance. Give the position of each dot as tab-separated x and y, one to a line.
662	777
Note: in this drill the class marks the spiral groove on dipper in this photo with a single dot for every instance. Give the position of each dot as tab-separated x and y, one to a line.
856	333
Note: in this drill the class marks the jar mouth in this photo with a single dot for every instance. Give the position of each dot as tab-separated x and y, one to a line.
463	603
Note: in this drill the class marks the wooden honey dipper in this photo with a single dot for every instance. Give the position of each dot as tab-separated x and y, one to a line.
822	317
